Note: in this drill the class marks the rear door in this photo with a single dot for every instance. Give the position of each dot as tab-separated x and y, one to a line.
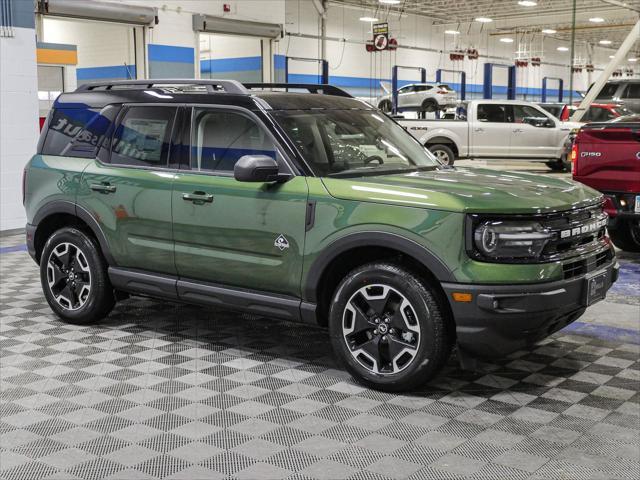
407	96
631	96
491	130
127	189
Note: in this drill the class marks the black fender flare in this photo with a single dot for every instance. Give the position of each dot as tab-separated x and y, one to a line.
63	206
372	239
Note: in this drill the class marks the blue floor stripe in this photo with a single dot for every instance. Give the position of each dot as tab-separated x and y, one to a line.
604	332
14	248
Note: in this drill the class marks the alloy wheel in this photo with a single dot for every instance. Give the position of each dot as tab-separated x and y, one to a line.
68	276
442	156
381	329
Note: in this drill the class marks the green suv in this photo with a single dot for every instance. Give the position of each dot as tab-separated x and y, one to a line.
303	203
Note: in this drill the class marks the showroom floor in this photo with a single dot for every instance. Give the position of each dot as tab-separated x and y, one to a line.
162	390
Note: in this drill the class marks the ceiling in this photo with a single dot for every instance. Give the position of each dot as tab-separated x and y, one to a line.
618	15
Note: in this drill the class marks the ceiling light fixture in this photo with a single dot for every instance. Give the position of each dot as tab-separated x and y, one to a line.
549	31
632	59
506	40
605	42
596	19
452	32
610	56
562	49
483	19
527	3
390	2
368	19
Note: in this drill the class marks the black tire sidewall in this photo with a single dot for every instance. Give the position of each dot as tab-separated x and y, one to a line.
624	238
427	311
100	299
429	106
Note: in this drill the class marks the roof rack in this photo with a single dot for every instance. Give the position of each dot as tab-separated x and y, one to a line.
228	86
319	88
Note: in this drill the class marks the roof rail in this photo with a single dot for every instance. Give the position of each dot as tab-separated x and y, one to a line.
229	86
319	88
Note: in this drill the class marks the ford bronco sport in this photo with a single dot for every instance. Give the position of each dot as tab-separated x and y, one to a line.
309	206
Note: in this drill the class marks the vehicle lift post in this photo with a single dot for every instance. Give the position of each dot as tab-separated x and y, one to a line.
324	66
463	80
394	83
560	88
487	87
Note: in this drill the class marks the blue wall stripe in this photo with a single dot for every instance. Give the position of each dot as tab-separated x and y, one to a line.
231	64
13	248
170	53
22	15
114	72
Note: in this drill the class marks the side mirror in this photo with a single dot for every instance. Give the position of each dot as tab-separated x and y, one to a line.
257	168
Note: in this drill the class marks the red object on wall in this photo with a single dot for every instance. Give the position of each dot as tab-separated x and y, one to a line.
226	8
393	44
42	120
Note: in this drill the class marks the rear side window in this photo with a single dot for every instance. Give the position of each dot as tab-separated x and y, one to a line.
221	138
632	91
142	137
494	113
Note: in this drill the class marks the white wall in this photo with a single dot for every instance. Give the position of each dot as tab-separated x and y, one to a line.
18	121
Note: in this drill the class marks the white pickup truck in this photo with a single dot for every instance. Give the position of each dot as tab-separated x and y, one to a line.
495	129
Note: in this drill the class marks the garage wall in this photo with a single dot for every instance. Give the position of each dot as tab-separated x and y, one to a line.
18	112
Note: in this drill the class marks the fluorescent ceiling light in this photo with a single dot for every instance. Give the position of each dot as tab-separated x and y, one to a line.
527	3
506	40
549	31
596	19
632	59
610	56
605	42
390	2
368	19
451	32
562	49
483	19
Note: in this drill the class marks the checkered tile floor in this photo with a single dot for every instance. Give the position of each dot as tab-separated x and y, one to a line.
160	390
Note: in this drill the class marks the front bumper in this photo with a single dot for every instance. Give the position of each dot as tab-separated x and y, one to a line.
501	319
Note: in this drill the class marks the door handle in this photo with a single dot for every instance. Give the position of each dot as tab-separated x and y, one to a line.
479	130
103	187
198	197
517	130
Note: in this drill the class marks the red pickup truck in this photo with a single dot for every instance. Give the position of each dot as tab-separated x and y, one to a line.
606	156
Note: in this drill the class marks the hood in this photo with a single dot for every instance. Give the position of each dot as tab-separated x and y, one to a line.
469	190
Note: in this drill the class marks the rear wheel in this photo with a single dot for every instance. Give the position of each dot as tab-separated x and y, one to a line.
388	327
429	106
627	236
74	277
443	153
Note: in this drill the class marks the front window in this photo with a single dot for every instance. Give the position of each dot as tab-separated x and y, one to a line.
353	143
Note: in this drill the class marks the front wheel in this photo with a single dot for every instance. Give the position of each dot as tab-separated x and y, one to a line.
557	165
443	153
74	277
627	236
385	106
388	327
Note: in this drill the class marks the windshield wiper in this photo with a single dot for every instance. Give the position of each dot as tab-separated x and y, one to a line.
367	171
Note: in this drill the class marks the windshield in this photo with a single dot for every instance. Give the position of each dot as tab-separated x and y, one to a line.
353	143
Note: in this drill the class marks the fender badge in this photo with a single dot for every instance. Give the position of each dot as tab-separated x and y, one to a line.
281	243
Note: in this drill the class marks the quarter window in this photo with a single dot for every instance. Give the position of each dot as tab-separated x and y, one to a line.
221	138
632	91
143	136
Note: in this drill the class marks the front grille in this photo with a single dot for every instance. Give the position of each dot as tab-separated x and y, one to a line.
575	233
586	265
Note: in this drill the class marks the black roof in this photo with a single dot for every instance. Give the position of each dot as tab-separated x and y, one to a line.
211	92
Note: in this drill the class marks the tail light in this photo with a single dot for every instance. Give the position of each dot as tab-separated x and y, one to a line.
574	159
24	186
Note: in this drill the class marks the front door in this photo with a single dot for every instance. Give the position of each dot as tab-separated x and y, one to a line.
248	235
533	134
491	130
128	189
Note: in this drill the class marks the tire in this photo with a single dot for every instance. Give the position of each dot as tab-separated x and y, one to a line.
385	106
443	153
74	277
429	106
556	165
413	346
566	163
627	236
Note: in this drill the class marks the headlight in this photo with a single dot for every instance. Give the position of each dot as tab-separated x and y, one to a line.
501	240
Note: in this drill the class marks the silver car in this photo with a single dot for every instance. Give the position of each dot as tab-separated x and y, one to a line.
624	91
421	97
